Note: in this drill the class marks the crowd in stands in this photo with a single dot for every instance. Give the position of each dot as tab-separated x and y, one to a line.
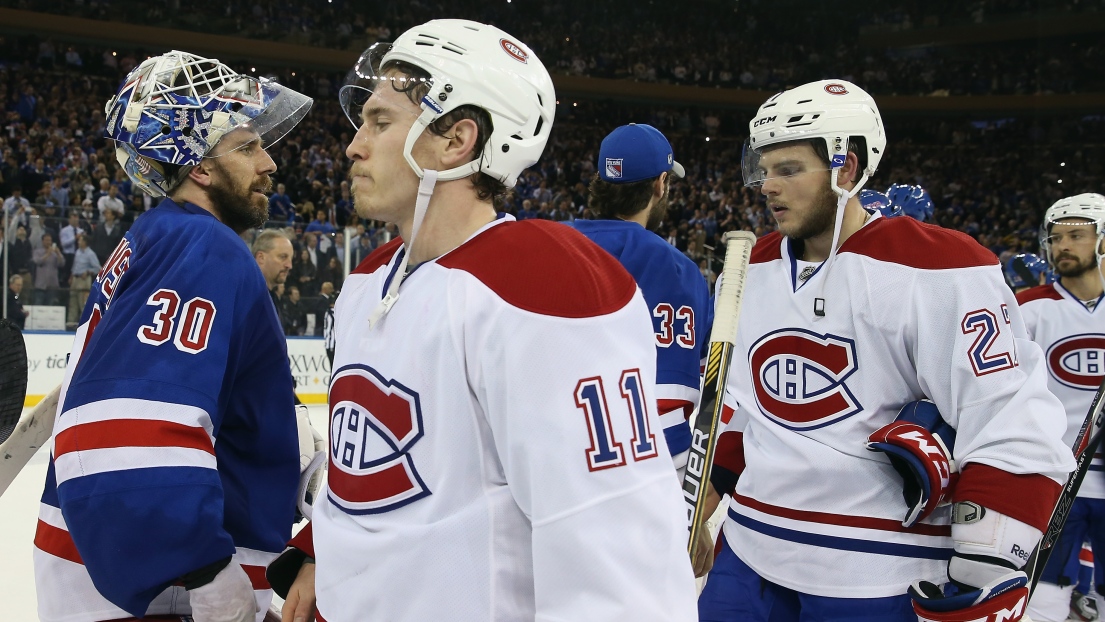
66	203
710	43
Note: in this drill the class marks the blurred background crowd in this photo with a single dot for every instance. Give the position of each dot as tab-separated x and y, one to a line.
66	203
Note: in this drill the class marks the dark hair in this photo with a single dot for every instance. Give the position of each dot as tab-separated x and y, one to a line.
487	187
856	145
609	200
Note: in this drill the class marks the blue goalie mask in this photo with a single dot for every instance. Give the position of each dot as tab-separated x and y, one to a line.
175	109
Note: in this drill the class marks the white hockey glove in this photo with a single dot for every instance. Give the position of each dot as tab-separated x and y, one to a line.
987	582
229	597
312	461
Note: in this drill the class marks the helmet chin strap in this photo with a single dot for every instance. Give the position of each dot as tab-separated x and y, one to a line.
838	223
428	179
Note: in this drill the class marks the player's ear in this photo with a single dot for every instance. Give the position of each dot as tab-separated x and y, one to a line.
201	174
461	144
660	186
849	173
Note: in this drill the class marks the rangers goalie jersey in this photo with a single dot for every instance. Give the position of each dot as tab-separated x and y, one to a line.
494	448
679	299
912	311
1073	339
175	442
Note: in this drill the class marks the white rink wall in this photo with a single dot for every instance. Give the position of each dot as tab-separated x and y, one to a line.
47	352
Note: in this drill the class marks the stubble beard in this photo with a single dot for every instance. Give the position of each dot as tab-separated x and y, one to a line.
657	214
821	218
1079	268
237	206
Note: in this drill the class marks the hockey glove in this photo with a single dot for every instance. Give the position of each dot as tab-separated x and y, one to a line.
312	462
228	597
986	578
919	445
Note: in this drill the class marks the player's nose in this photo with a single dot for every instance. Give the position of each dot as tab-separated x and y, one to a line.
358	147
266	165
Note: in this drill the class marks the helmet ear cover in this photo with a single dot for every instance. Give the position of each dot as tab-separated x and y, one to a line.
856	145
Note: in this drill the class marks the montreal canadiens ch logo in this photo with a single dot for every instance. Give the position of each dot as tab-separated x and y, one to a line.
1076	361
799	376
514	50
374	422
836	89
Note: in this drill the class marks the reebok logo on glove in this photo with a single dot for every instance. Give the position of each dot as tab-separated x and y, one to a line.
1019	552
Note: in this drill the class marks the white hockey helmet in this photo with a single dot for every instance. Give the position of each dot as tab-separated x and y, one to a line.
1075	210
467	63
835	111
174	108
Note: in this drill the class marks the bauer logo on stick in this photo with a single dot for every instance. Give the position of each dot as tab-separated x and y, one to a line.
516	52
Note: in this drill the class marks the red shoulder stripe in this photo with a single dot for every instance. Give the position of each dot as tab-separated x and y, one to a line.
768	248
545	267
379	257
908	242
1040	292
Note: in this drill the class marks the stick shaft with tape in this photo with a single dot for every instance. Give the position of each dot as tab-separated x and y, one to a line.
723	337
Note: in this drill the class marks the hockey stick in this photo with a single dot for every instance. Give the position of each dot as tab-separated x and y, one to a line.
32	431
13	377
723	337
1085	446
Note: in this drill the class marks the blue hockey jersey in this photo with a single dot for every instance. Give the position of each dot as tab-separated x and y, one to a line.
679	298
175	444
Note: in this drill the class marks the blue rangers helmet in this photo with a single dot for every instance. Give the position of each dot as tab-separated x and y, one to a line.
873	200
914	201
173	109
1024	270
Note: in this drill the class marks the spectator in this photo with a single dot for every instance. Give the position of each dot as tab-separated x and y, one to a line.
85	266
321	224
292	315
16	203
280	206
331	272
303	273
48	263
59	191
110	202
107	236
19	252
16	313
67	237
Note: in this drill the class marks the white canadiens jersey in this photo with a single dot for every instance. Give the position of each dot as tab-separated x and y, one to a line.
495	450
1073	339
912	311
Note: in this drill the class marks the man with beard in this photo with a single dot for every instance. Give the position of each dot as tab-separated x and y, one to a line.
629	197
1067	320
892	452
174	473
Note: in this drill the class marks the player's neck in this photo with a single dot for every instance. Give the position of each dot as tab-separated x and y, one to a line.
1086	286
453	215
641	217
816	248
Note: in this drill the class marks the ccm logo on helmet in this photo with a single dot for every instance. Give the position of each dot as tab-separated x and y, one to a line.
798	377
514	50
763	121
1076	361
836	89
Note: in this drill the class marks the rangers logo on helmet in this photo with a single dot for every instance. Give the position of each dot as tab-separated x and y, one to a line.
798	377
1076	361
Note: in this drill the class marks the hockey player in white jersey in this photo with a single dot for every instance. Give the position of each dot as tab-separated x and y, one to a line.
173	477
881	370
495	451
1065	318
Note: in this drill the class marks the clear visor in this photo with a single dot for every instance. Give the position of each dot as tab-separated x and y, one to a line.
784	162
261	110
372	88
